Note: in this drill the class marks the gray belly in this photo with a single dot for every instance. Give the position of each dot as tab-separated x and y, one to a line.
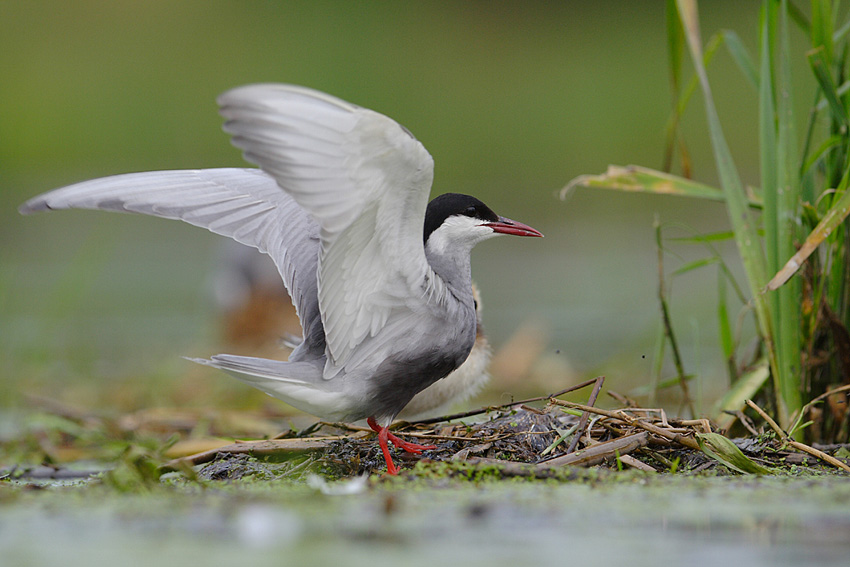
399	378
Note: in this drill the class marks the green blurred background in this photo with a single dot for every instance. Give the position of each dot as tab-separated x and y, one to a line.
513	99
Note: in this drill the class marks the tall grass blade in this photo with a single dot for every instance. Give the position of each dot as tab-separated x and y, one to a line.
741	56
675	51
767	141
786	319
839	34
800	19
821	152
768	155
721	236
675	46
695	264
740	217
820	66
822	25
727	341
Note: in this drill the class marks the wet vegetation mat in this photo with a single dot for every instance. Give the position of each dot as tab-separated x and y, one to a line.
540	438
519	440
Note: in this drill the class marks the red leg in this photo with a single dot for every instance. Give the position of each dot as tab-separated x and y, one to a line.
382	441
408	446
384	435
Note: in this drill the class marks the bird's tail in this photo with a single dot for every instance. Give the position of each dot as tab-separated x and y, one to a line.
299	384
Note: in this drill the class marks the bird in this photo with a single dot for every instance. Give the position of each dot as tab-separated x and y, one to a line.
255	311
379	276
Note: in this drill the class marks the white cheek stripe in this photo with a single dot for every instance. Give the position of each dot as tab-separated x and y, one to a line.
460	232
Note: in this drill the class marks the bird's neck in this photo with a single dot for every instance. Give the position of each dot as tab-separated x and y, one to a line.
454	272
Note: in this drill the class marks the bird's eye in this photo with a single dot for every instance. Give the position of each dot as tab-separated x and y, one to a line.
471	211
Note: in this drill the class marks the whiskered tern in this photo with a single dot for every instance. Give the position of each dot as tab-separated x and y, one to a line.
379	276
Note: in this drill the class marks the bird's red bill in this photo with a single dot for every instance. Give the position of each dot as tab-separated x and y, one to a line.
507	226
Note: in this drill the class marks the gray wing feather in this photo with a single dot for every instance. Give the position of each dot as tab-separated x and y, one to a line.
244	204
365	180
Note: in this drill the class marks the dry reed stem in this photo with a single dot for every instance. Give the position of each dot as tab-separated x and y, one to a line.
599	452
582	423
636	463
621	416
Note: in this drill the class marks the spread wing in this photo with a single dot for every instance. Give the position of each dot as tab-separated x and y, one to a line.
364	179
244	204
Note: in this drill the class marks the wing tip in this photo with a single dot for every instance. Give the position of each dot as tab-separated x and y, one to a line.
204	361
34	205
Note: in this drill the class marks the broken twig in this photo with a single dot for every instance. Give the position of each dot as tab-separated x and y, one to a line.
595	454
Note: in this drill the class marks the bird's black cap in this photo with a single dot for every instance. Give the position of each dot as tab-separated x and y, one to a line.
450	204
